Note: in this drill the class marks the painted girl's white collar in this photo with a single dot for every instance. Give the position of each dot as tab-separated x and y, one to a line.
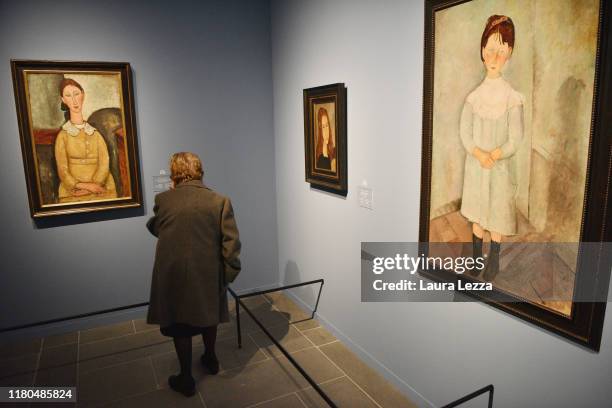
493	97
494	81
73	130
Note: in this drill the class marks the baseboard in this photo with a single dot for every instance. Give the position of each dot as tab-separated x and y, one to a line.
74	325
366	357
257	288
92	321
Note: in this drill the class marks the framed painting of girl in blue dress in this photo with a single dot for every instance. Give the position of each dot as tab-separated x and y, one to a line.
516	153
325	138
78	136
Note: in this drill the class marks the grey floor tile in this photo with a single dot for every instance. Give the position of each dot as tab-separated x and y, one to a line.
268	317
230	356
16	405
106	332
226	330
369	380
116	383
300	318
142	325
23	380
58	356
57	366
100	354
264	381
284	304
56	376
319	336
288	336
249	385
318	367
306	324
255	301
251	302
341	391
61	339
22	365
290	400
273	296
127	365
159	399
228	353
14	349
165	365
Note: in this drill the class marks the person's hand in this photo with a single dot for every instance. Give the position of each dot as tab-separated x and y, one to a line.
91	187
97	189
496	154
485	159
79	192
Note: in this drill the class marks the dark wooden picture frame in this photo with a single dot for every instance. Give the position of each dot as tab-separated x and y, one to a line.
110	126
326	167
584	325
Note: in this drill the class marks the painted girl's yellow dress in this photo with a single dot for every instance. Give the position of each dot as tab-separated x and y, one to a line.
82	157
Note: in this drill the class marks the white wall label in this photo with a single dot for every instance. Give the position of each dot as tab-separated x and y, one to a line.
161	182
366	198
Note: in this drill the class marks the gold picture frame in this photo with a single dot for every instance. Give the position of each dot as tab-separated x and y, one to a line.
78	136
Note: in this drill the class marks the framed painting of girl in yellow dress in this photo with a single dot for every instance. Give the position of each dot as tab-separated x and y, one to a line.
516	154
78	136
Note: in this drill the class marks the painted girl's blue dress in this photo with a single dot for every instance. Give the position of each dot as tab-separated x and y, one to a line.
492	117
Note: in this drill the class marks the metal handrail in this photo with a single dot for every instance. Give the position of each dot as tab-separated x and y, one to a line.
489	388
239	303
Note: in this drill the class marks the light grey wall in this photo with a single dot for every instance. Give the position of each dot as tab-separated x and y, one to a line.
202	72
436	352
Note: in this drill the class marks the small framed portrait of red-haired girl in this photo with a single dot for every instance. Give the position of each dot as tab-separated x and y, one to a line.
325	138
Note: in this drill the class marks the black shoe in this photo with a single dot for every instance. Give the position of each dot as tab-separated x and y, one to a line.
210	363
183	384
476	253
492	268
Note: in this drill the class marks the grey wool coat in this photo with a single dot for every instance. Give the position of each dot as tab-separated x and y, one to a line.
198	247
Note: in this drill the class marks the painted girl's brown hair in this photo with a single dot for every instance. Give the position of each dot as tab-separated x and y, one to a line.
65	82
185	166
69	81
498	24
330	143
